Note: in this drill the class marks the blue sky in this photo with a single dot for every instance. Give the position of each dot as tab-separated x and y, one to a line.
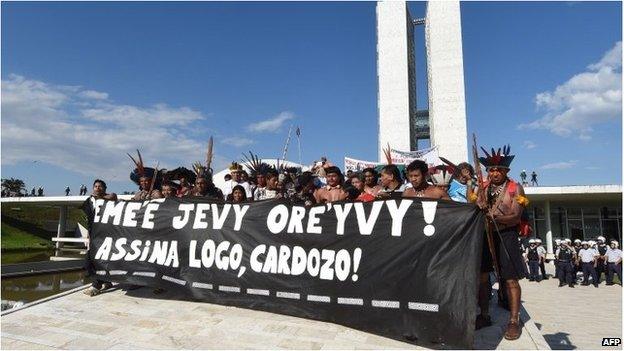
84	83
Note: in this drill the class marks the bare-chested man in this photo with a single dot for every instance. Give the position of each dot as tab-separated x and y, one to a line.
504	201
333	191
417	175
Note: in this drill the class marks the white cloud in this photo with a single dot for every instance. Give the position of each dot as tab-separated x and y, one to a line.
92	94
272	124
236	141
586	99
560	165
611	59
528	144
81	130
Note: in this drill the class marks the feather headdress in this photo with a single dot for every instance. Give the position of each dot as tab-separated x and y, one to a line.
180	172
497	158
140	170
204	170
256	166
450	165
440	175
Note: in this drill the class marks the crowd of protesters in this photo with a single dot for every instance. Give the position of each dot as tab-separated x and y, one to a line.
323	183
500	198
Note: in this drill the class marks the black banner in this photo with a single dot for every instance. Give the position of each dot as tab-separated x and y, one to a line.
402	268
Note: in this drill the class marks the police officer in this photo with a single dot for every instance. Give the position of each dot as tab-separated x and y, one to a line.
566	257
542	252
587	257
557	245
533	257
577	247
613	256
601	263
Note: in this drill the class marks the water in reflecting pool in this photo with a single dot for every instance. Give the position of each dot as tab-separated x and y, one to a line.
35	287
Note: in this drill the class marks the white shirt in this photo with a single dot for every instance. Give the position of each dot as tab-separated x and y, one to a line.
587	255
541	251
613	255
230	184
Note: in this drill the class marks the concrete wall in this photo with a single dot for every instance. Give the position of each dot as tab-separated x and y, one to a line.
445	70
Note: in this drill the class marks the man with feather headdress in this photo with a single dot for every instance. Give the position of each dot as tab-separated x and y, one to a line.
204	187
504	201
146	178
262	173
236	170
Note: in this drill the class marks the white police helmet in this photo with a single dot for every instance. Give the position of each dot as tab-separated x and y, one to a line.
584	242
557	241
538	240
568	241
531	241
592	243
601	238
615	242
577	241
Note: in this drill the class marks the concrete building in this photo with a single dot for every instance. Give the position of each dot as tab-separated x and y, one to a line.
443	122
576	212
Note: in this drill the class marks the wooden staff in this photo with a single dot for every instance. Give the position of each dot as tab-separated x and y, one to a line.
480	199
149	195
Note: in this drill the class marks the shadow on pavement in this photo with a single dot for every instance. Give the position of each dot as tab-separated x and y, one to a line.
559	341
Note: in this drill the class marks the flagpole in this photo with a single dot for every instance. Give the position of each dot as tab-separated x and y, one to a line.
299	144
286	145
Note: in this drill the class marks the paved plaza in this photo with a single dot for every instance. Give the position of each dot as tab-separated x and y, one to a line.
559	318
574	318
138	319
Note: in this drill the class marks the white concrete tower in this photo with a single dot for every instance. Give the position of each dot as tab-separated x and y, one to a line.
397	79
395	75
445	72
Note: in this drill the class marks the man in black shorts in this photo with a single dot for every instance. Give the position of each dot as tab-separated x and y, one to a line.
504	201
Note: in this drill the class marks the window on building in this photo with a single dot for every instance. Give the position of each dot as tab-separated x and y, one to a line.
591	212
538	213
611	229
540	229
608	213
591	227
558	222
575	229
574	212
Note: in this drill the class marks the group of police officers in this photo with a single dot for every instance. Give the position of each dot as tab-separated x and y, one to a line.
592	258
